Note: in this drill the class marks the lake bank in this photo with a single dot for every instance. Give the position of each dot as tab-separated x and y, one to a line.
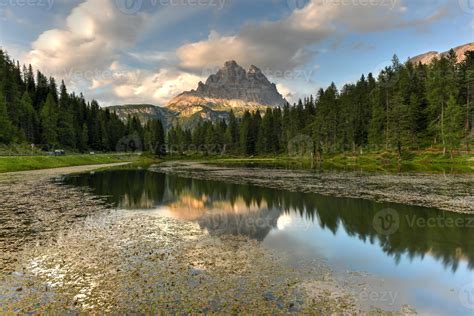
453	193
25	163
433	162
76	250
33	208
70	253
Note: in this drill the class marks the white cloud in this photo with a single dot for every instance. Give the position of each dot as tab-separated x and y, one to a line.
286	44
85	53
143	86
86	50
94	33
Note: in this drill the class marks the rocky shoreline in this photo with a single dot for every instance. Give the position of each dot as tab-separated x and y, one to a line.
454	193
33	208
66	251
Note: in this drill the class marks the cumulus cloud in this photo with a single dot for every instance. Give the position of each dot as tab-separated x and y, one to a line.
87	49
93	34
286	44
141	86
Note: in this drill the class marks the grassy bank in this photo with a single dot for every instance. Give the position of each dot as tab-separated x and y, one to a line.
22	163
421	161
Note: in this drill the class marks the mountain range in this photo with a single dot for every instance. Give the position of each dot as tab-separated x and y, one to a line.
428	57
232	87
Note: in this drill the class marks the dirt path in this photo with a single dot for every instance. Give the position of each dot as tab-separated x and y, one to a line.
447	192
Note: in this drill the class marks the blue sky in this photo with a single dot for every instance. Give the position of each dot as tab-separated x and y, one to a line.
134	51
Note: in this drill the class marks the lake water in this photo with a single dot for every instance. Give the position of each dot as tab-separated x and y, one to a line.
386	254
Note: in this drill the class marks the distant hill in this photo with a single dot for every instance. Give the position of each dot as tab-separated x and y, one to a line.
428	57
144	112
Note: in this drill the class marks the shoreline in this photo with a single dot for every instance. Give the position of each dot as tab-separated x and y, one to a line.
89	257
35	208
68	251
453	193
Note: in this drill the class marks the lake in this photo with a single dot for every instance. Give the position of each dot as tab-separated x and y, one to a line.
386	254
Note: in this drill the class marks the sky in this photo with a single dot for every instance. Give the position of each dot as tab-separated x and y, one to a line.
148	51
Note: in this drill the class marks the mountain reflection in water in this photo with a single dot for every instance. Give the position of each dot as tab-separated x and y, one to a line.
223	208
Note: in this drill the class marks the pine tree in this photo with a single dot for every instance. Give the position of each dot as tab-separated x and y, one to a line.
28	118
66	131
49	118
246	139
154	136
453	125
232	132
398	128
84	138
6	128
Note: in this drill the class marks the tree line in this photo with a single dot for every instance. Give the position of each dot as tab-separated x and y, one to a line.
34	111
407	107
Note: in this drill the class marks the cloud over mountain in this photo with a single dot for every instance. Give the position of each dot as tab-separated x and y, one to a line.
92	48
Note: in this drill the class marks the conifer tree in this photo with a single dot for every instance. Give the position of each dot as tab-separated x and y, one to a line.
49	119
453	125
6	128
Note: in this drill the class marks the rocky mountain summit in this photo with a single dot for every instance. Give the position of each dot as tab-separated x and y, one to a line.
428	57
232	87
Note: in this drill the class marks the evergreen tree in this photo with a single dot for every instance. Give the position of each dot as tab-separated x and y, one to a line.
49	118
6	128
28	118
398	128
66	131
246	139
453	125
84	138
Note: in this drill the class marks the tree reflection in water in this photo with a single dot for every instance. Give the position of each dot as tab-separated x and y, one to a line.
224	208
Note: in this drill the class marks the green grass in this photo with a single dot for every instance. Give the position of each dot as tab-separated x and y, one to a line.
22	163
421	161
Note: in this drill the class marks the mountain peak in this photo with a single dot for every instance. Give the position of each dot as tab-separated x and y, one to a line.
231	64
427	58
231	84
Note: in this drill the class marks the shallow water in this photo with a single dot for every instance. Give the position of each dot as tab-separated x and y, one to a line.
387	255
